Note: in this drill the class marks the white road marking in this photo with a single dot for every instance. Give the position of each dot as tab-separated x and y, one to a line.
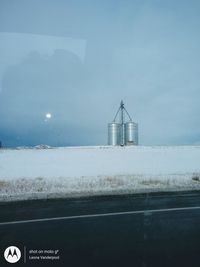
74	217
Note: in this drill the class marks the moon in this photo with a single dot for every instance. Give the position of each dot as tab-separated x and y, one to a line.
48	115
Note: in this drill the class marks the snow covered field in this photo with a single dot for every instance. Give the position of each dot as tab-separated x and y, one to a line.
78	171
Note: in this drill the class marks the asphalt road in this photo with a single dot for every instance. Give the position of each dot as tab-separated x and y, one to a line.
160	229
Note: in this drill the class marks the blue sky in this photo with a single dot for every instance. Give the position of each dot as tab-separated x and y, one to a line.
78	59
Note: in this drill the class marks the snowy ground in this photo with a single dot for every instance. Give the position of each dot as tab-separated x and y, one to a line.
78	171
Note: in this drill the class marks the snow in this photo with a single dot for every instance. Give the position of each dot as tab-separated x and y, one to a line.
44	172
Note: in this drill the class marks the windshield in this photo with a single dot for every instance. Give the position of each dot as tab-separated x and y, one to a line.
66	65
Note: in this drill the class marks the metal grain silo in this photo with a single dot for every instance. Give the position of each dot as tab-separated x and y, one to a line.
122	132
131	133
114	134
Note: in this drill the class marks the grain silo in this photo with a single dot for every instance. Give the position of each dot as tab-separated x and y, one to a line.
120	131
114	134
131	133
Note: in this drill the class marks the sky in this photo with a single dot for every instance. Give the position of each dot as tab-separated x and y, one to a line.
66	65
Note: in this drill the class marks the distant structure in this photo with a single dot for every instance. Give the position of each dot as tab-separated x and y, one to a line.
122	132
0	144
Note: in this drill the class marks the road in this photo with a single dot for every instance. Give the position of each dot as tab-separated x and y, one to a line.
157	229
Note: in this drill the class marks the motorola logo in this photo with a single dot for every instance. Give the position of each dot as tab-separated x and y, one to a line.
12	254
